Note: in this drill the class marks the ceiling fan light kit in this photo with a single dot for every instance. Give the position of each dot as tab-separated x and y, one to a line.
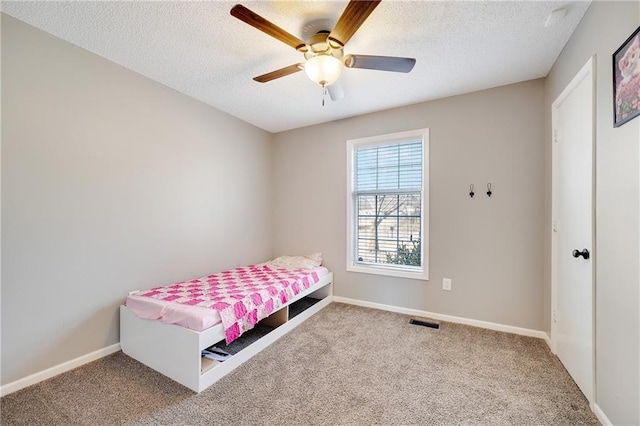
323	52
324	63
323	69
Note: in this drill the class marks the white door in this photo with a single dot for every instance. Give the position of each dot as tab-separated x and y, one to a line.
572	253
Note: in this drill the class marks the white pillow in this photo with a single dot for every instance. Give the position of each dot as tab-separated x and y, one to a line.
311	261
316	257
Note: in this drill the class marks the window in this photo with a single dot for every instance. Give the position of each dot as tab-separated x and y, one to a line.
388	204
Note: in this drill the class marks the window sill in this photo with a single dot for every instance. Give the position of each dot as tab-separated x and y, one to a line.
391	272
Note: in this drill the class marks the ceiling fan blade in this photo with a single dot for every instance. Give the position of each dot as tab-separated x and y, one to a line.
279	73
351	19
381	63
336	92
257	21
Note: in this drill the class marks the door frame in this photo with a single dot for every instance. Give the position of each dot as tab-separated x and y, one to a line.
587	71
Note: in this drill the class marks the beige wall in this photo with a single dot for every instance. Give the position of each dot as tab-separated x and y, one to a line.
111	182
603	29
492	248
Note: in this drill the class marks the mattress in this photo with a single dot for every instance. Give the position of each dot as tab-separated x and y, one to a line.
237	298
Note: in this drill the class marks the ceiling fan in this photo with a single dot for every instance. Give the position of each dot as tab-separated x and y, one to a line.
323	52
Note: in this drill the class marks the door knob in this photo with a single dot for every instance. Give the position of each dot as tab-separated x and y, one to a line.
584	253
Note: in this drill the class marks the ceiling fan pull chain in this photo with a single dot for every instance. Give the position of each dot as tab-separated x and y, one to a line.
324	93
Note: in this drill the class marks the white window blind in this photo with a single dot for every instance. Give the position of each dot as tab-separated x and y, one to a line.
390	167
387	199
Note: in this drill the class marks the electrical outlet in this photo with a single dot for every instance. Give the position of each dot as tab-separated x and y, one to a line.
446	284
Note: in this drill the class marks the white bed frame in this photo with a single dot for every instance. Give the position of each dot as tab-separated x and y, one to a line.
176	351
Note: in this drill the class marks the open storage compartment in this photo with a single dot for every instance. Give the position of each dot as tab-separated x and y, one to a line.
269	324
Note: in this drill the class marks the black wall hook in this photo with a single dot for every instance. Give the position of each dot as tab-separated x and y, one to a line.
489	190
471	193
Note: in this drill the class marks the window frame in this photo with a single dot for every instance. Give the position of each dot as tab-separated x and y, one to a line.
401	271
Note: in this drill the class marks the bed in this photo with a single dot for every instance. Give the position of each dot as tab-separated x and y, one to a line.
166	328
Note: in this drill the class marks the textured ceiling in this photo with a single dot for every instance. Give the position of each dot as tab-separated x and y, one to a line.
199	49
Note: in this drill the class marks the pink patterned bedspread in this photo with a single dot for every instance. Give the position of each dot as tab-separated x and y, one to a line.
243	296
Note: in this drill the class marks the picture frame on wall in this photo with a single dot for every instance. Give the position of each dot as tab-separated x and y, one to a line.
626	80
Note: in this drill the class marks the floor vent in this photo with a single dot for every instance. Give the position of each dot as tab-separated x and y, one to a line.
424	323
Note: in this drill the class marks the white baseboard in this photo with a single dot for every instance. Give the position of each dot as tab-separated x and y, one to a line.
57	369
601	416
547	338
441	317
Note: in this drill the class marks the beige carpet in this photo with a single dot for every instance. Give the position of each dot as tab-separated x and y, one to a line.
347	365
